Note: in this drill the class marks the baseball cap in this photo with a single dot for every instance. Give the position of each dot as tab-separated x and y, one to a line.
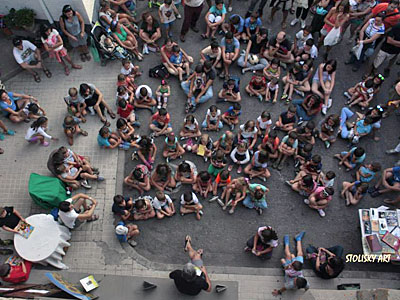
121	230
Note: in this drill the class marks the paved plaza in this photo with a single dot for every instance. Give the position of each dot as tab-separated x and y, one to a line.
95	248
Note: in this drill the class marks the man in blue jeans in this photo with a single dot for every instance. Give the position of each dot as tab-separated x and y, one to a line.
205	90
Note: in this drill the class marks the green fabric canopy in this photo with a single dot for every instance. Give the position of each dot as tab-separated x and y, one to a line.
47	192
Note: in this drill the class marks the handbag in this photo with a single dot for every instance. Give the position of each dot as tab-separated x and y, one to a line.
333	37
357	49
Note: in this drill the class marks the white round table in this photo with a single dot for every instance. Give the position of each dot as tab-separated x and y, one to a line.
46	242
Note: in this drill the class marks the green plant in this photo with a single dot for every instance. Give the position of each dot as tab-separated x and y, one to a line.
19	18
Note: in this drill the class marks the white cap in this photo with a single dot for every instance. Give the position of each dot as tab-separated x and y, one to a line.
121	230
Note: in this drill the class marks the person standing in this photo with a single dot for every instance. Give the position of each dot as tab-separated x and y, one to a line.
192	9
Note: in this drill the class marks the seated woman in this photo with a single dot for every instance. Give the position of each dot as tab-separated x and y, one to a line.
263	242
139	179
149	32
107	15
324	79
308	108
125	38
166	53
327	263
12	104
162	178
15	270
353	192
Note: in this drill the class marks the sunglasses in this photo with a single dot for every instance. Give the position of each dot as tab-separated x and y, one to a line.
325	193
380	108
381	77
67	9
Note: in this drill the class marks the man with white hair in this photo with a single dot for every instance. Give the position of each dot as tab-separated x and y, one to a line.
193	277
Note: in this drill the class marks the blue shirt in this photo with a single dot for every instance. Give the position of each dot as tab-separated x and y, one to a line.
232	113
4	105
363	129
103	142
396	173
230	47
215	11
360	159
176	59
252	26
121	237
366	171
238	27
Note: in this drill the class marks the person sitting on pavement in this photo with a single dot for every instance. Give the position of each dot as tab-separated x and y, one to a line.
16	270
126	233
287	148
166	53
10	218
139	179
281	49
12	105
190	204
144	210
353	192
163	205
263	242
144	98
123	207
256	197
76	105
287	119
305	185
108	139
327	263
292	266
390	181
319	199
186	173
162	178
193	278
351	159
28	56
69	210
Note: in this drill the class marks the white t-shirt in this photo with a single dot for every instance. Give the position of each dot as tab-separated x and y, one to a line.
301	39
208	52
211	118
195	200
314	52
167	13
247	134
71	172
192	126
194	3
26	54
158	205
127	72
272	243
262	124
70	157
31	132
149	92
68	218
272	87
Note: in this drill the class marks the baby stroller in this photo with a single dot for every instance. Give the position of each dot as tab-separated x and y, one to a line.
106	46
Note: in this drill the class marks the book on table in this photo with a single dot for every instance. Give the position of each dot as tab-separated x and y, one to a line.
383	227
374	226
373	243
391	240
89	283
25	229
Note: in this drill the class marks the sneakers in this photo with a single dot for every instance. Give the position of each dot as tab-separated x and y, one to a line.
201	212
306	201
391	151
321	212
260	211
294	22
132	243
303	24
298	92
213	199
324	109
85	184
330	102
100	178
286	240
347	95
230	8
91	110
232	127
145	49
300	236
222	204
327	144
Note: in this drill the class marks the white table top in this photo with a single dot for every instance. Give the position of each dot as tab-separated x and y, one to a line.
42	242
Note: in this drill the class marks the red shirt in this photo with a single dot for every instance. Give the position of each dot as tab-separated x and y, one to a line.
166	52
219	180
162	120
390	21
124	113
17	275
258	84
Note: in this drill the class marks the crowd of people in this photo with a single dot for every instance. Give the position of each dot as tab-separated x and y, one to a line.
280	69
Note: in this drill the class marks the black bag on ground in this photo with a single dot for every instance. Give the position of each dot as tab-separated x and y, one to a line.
159	71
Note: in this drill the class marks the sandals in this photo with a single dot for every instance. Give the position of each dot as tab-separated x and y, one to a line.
204	36
93	218
76	67
83	57
66	70
112	115
47	73
84	133
188	239
37	77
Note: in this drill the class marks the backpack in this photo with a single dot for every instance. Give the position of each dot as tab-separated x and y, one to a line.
159	71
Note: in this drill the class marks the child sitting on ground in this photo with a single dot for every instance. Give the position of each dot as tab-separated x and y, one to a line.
257	86
125	110
231	116
147	151
126	233
225	142
203	184
163	93
258	166
144	98
162	178
320	199
124	94
350	159
139	178
353	192
143	209
366	173
263	124
272	90
287	119
33	111
160	123
190	204
126	81
70	173
362	94
293	79
163	205
186	173
75	104
214	18
270	144
126	132
37	132
328	129
327	180
172	148
240	156
204	147
108	139
248	133
212	122
217	163
252	26
129	70
302	155
190	128
230	92
222	180
122	207
178	60
305	134
286	148
273	70
71	128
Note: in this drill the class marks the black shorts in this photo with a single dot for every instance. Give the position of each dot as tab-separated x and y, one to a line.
92	101
280	4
